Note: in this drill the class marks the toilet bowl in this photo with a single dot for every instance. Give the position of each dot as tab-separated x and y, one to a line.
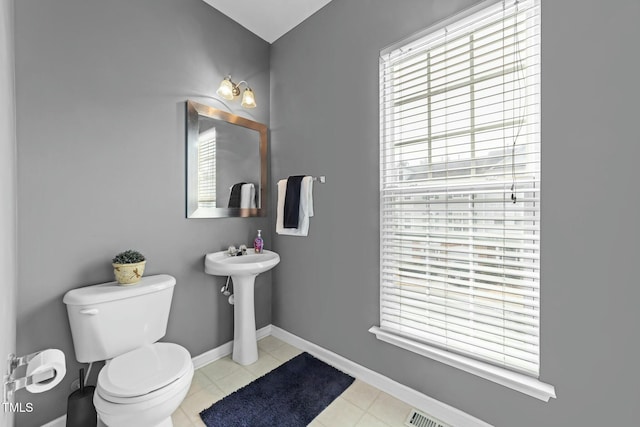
143	381
143	387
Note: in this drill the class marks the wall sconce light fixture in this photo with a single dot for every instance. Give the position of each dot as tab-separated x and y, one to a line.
230	90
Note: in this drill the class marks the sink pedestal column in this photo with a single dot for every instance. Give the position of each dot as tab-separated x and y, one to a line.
245	345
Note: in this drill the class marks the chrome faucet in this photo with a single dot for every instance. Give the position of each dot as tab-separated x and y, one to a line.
232	251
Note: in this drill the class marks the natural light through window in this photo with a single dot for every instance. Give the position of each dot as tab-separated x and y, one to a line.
460	187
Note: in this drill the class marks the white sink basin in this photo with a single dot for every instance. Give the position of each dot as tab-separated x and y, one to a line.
222	264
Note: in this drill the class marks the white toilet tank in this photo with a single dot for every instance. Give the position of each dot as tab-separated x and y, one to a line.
108	320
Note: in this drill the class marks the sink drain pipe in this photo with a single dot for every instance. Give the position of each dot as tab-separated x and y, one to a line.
226	292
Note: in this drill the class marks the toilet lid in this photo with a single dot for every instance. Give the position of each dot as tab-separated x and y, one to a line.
144	370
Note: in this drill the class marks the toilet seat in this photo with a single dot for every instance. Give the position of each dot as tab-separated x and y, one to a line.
144	373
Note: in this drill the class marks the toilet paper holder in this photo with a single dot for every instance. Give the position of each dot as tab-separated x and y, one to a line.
12	384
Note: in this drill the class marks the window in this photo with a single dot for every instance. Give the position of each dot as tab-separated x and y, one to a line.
207	169
460	189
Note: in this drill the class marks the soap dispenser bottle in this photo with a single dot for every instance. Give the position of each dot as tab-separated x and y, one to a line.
258	243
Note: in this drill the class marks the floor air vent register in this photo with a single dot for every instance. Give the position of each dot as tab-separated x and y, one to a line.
418	419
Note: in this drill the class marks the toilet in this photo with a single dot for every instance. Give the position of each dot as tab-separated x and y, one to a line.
143	381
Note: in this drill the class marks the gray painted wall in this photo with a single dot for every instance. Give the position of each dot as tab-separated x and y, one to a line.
102	85
101	90
8	191
324	120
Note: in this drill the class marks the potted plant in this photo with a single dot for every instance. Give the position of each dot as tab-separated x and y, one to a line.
128	267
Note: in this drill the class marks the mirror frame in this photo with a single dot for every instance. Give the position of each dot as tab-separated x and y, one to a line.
194	111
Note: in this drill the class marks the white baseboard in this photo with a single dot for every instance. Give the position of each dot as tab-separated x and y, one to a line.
198	362
224	350
424	403
433	407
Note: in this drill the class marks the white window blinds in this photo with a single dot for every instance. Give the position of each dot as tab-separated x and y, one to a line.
207	169
460	187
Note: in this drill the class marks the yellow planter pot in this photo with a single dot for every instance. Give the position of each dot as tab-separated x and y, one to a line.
128	274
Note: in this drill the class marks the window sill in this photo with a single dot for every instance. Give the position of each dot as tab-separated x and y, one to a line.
513	380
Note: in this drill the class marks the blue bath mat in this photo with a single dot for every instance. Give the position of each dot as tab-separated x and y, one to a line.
291	395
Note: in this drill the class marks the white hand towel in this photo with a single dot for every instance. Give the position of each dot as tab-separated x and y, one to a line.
306	208
248	196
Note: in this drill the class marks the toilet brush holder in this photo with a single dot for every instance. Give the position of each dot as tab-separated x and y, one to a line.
80	409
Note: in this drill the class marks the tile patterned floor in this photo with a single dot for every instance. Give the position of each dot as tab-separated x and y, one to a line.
361	405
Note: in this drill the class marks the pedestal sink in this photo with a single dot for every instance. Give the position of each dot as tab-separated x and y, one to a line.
243	271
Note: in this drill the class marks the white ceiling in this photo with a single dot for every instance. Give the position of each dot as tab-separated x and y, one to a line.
269	19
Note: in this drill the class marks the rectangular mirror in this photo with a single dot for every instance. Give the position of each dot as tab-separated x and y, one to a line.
226	164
